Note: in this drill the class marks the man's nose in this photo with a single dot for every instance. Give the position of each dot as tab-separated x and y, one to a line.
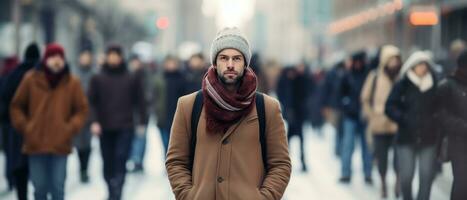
230	63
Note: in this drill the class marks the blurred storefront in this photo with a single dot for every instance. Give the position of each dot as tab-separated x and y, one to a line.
75	24
409	24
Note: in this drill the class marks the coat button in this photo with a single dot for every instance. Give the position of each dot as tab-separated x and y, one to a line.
220	179
226	141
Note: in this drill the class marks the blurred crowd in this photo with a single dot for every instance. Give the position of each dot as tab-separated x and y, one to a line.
407	107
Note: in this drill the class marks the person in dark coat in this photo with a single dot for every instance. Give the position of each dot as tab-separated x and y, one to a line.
293	91
169	85
17	161
452	98
82	141
316	101
450	63
115	97
9	64
138	148
411	104
331	101
353	123
195	72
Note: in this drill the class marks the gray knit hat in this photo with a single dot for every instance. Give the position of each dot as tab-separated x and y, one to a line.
230	38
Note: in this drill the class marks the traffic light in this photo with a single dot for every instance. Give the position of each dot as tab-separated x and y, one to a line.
162	23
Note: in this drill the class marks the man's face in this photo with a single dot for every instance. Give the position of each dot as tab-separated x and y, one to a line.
230	66
135	64
55	63
421	69
85	59
113	59
394	63
196	63
171	65
358	65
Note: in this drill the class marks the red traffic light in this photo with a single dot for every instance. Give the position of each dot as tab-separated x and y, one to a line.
162	23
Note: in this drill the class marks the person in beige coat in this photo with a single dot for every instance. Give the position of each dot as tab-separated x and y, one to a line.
374	95
228	161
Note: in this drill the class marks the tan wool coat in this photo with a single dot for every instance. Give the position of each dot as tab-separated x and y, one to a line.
48	118
228	166
378	122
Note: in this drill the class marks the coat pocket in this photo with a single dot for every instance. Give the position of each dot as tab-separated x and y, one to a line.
31	135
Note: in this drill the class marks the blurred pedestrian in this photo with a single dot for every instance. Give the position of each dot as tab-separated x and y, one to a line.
257	66
224	158
375	93
411	105
316	100
453	116
353	123
293	91
450	63
15	158
197	67
138	148
115	96
48	109
331	101
9	64
84	70
169	85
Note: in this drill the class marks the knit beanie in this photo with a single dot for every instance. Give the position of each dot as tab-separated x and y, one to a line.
52	50
230	38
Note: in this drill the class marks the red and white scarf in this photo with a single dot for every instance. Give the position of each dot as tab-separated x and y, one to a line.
223	107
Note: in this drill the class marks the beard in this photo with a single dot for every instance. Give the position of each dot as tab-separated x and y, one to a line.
227	81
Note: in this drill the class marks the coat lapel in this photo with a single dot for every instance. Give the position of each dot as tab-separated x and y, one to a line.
244	119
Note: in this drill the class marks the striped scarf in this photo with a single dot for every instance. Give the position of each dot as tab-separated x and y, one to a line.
225	108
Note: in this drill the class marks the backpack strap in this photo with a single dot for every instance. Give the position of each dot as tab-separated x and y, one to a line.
195	115
260	109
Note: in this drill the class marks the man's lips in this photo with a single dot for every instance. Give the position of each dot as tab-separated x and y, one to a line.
230	73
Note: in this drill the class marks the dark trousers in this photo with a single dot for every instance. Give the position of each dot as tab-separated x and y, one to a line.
426	157
382	144
21	177
297	130
83	156
459	170
165	137
115	148
339	136
16	161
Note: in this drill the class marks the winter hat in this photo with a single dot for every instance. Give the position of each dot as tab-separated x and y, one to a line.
387	52
52	50
415	59
115	48
230	38
32	52
359	56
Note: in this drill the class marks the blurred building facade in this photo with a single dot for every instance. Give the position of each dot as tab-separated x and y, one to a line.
368	23
76	24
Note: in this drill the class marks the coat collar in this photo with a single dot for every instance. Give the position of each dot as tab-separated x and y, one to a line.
41	80
423	83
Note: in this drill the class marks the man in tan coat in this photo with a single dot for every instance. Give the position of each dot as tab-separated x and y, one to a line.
48	109
374	95
227	161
